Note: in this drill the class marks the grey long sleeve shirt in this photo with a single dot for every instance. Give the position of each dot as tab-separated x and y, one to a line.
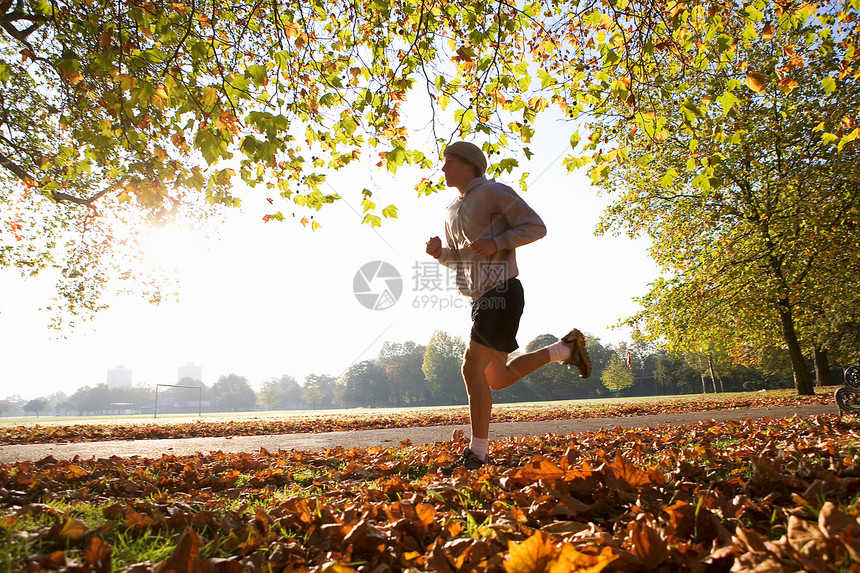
487	210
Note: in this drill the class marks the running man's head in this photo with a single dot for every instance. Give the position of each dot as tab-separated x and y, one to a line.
463	162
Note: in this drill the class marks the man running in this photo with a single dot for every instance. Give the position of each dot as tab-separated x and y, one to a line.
483	228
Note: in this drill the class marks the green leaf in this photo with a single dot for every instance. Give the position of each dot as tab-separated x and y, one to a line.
668	178
546	79
211	146
611	57
372	220
723	43
257	73
848	138
395	158
390	212
727	101
507	165
690	111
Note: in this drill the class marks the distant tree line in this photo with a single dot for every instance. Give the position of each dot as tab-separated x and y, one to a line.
410	374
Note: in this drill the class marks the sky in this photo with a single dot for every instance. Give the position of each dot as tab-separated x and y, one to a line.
266	299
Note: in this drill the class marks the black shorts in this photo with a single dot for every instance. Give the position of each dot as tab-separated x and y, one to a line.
496	316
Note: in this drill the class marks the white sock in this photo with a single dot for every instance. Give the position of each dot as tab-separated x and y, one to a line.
558	351
479	447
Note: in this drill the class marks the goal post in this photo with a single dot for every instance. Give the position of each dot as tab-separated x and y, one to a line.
199	397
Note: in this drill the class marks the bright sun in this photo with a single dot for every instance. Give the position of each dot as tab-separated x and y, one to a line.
170	248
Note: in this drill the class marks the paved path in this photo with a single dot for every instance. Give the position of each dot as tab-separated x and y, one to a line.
369	438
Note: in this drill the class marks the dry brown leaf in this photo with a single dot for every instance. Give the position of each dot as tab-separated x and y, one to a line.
183	558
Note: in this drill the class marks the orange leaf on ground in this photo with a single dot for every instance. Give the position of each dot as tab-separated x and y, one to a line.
183	559
534	555
624	473
648	544
540	468
572	560
97	553
73	530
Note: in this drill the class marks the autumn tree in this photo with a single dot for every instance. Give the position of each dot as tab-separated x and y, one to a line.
403	364
36	405
442	368
312	397
280	392
233	393
92	399
616	376
118	114
318	390
364	384
744	172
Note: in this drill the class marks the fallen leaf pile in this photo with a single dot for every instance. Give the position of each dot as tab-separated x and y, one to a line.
763	495
59	433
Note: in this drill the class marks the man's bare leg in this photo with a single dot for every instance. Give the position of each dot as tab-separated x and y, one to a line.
485	369
475	363
502	374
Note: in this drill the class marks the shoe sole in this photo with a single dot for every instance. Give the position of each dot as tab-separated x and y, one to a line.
579	354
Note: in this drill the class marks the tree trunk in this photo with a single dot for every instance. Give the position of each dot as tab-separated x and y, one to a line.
822	366
802	380
713	374
704	384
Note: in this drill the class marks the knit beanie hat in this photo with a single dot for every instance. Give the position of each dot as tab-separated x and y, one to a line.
468	152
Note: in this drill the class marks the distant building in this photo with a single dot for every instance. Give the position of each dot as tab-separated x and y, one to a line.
119	377
191	371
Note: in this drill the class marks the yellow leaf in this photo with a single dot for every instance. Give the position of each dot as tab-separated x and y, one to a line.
572	560
126	82
76	471
538	103
210	95
533	555
756	82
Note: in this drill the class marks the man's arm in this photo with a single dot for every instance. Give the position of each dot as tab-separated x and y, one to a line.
525	224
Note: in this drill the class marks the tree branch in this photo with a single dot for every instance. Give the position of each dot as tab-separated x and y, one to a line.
16	169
